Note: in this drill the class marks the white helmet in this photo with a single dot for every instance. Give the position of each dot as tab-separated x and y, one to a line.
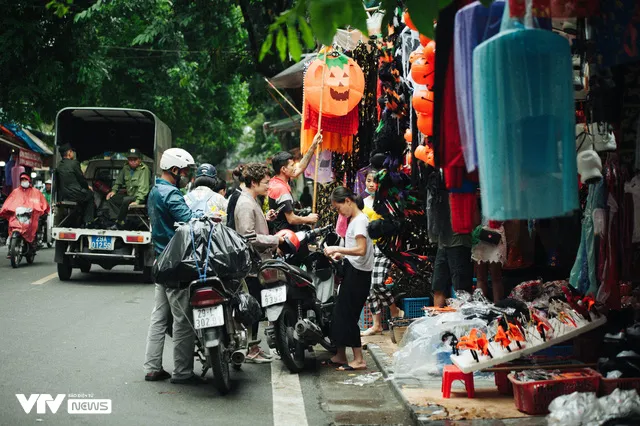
176	157
47	182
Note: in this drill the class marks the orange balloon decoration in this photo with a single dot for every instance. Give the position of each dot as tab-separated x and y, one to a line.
424	40
421	153
430	160
425	124
408	22
343	84
408	136
430	51
429	74
419	71
423	102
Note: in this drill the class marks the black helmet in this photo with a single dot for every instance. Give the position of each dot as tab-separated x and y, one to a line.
206	169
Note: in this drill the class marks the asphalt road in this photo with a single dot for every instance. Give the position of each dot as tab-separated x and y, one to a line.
87	337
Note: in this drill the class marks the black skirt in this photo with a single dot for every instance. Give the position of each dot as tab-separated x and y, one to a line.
353	295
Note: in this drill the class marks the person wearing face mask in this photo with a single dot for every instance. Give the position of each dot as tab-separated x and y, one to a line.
24	196
135	176
167	206
72	185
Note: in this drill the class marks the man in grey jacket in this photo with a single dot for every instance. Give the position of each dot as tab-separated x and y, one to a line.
249	219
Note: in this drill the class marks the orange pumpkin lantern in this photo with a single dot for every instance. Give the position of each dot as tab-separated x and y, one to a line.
407	21
421	153
423	101
416	54
430	51
408	136
430	160
424	40
343	84
425	124
419	71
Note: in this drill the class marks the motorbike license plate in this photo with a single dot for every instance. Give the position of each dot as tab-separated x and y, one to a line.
101	243
273	296
208	317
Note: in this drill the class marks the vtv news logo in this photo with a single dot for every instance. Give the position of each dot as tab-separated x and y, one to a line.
42	401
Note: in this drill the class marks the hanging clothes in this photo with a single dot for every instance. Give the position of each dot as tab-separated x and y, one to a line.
610	248
633	188
583	273
474	24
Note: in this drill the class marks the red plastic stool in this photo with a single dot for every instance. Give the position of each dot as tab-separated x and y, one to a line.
451	373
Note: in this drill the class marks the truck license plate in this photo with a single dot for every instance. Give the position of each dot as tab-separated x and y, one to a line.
273	296
101	243
208	317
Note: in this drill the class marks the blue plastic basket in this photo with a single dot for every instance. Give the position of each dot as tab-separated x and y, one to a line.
412	306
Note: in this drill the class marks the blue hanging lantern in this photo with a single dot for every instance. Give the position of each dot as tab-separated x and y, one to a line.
525	125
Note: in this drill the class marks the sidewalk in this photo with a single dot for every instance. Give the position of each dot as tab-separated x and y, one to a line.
422	397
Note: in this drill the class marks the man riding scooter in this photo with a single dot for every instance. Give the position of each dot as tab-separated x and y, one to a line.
24	202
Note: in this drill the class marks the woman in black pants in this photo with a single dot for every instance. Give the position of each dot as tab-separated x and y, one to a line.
358	263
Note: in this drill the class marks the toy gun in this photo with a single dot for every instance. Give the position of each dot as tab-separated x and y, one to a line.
501	337
453	343
513	332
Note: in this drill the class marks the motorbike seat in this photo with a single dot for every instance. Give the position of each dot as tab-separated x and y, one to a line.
293	269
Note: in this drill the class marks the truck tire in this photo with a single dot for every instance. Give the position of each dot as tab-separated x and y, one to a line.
64	271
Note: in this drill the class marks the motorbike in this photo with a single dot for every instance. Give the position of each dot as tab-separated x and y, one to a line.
299	296
42	235
18	246
4	224
222	338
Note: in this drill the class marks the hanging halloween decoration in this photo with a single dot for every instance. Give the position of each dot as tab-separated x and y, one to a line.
425	124
408	136
423	102
421	153
407	21
423	72
429	51
424	40
343	84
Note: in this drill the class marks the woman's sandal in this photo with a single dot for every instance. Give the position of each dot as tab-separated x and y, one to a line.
347	367
369	332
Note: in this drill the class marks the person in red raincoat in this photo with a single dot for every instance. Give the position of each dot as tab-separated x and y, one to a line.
25	196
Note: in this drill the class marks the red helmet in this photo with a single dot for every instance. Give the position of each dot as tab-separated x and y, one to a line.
291	242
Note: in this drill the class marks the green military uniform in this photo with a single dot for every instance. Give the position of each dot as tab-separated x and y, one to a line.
137	182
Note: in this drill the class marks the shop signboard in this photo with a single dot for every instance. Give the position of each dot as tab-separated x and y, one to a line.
29	158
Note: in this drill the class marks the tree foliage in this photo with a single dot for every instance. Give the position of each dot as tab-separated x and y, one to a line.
184	60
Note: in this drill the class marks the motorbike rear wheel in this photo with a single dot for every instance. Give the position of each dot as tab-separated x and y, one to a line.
220	368
15	250
291	350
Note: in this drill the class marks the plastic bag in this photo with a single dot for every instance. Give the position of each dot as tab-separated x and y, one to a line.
422	351
584	409
248	310
219	251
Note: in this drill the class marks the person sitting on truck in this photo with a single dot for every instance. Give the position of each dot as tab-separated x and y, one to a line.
166	206
135	176
72	185
202	199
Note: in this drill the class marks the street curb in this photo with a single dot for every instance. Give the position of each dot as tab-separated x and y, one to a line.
383	361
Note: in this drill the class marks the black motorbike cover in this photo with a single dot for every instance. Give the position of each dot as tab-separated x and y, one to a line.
229	254
248	310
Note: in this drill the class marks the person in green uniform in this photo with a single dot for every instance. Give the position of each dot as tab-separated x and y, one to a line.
71	184
47	191
135	176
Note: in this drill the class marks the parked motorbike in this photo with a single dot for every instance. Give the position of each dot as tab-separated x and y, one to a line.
18	246
43	232
218	321
299	294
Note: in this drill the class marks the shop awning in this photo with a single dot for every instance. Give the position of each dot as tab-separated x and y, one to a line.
291	78
29	139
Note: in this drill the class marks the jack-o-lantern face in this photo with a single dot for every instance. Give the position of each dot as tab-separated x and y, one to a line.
343	85
423	72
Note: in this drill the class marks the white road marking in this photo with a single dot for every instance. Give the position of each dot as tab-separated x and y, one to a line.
288	404
45	279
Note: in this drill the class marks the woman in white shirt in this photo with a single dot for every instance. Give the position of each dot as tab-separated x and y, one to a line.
358	263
